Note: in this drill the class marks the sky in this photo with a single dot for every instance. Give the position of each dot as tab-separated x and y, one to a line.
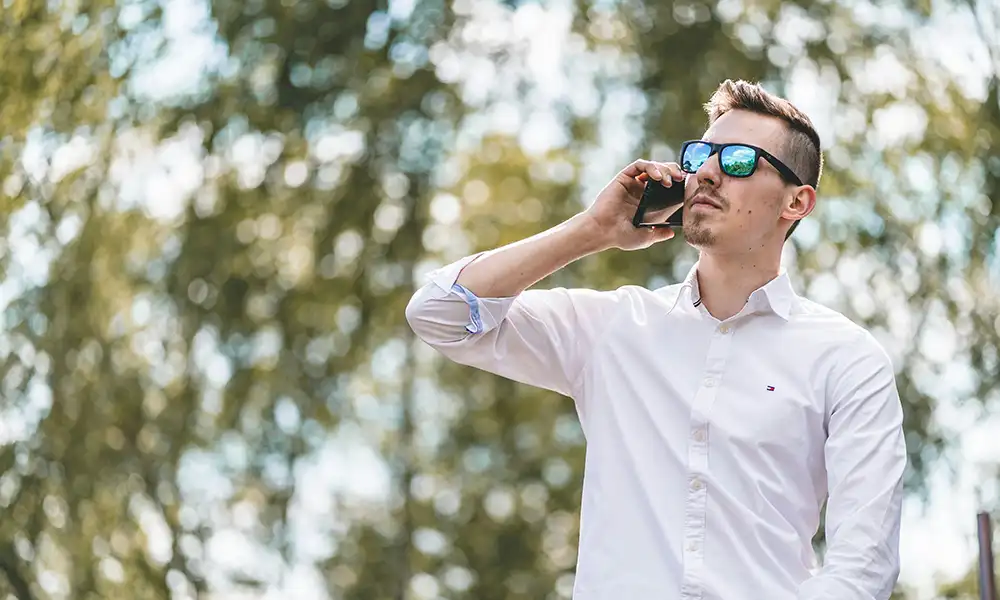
938	542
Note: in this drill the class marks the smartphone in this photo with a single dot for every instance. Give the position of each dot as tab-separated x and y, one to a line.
660	206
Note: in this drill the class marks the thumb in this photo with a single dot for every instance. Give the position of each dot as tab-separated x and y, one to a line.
659	234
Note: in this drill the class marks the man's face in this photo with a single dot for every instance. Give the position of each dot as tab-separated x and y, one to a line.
749	211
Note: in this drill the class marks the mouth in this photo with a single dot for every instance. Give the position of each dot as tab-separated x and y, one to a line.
702	201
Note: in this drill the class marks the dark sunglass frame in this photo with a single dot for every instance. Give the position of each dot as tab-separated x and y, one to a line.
759	153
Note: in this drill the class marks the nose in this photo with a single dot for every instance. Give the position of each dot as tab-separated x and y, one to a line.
709	174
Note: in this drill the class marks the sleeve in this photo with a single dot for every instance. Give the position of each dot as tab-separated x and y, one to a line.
865	459
542	338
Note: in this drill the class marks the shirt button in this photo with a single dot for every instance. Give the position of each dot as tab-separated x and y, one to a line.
699	435
709	383
724	329
696	485
692	547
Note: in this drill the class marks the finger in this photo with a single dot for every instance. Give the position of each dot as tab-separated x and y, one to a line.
671	172
675	171
634	186
663	172
643	166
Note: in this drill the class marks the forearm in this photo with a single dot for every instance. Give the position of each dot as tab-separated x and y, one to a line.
511	269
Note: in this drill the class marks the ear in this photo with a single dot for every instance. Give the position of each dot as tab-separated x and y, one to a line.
800	203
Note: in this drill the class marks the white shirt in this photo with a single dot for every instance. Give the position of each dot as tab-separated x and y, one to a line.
711	445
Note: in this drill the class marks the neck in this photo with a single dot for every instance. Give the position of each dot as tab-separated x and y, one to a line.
727	280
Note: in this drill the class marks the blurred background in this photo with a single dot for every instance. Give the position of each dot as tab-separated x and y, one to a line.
213	215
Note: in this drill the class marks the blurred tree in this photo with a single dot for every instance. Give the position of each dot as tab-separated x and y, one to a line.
229	259
217	213
966	588
57	89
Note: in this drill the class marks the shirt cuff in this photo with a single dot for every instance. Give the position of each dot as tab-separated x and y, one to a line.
476	321
485	314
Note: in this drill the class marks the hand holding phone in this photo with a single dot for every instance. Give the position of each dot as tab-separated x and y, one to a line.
611	220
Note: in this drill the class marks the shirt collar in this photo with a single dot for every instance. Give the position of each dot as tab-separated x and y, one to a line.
774	296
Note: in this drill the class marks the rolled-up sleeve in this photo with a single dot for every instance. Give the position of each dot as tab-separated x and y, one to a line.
865	461
542	338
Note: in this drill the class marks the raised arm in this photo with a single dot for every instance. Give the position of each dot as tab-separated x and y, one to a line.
510	270
476	311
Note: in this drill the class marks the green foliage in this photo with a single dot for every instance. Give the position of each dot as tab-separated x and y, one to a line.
207	381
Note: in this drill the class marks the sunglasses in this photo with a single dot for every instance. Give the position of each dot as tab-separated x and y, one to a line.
736	160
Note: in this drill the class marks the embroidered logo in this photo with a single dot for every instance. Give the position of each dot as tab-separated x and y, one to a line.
770	388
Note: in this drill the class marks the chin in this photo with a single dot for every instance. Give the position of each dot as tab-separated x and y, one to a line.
699	235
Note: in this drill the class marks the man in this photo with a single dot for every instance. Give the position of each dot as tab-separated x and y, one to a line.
719	412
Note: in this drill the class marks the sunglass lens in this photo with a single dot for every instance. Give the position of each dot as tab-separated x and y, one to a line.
738	161
695	155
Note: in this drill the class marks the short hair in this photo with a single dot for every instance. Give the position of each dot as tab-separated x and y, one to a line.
802	148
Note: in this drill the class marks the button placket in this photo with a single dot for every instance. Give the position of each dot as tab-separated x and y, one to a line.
697	493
